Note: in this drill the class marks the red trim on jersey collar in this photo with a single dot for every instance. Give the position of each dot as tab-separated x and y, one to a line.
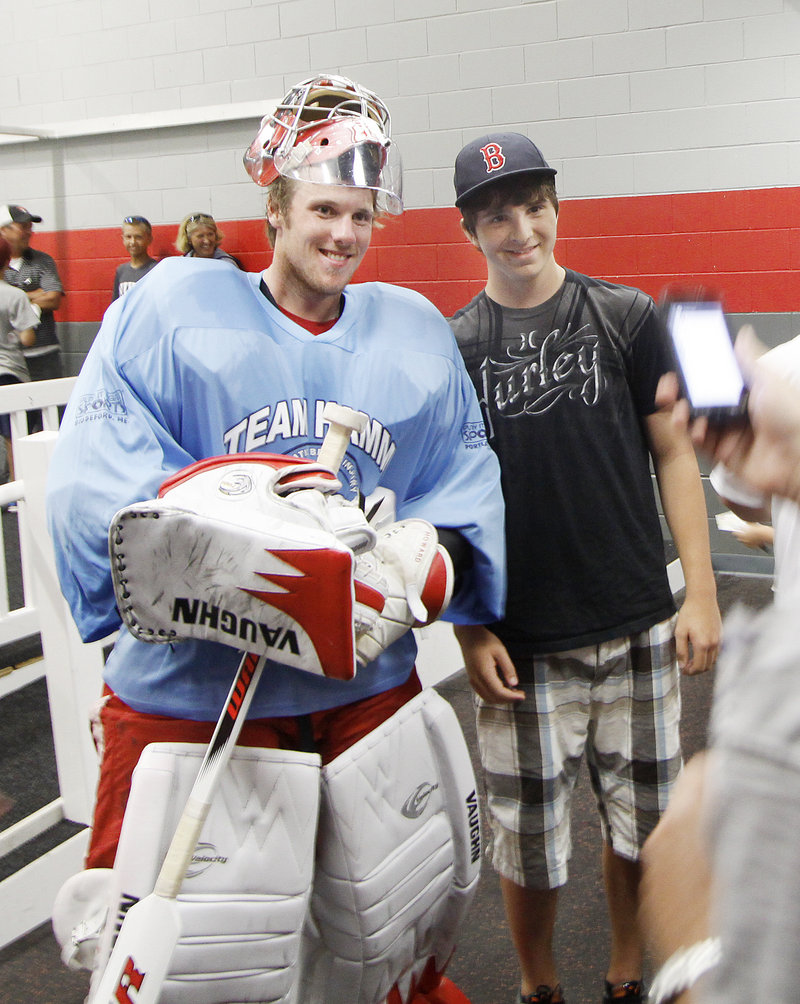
313	327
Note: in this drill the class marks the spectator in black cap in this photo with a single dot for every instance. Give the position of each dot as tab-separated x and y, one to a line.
137	236
585	660
18	321
36	274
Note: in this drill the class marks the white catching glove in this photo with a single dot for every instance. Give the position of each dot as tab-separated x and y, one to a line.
414	575
254	551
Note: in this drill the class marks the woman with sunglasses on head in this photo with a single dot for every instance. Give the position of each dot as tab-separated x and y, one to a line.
137	236
200	237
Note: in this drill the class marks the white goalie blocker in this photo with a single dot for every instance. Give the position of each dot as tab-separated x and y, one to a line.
234	550
259	552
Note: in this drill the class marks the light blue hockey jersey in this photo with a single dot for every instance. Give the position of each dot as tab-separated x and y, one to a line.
195	362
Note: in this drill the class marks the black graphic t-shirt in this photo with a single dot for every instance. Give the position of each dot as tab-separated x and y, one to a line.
564	389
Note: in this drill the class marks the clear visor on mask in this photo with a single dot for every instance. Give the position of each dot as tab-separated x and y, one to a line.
351	152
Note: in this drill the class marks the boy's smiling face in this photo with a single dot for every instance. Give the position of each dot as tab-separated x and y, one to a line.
517	240
136	239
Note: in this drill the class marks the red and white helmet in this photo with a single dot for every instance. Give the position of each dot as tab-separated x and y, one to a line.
330	131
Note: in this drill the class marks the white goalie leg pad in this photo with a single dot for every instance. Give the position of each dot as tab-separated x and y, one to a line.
245	897
398	857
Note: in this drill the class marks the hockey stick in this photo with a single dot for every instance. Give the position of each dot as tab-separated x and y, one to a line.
342	421
138	964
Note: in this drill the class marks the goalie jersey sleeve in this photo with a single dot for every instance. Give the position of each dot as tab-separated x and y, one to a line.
196	362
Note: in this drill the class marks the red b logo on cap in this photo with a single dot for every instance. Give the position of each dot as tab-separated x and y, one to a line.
493	156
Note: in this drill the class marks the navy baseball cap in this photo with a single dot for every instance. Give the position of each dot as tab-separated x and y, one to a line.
16	214
494	156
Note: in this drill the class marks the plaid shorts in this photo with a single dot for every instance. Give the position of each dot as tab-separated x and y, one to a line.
619	703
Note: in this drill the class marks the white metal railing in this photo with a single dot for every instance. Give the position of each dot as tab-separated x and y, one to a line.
72	670
23	622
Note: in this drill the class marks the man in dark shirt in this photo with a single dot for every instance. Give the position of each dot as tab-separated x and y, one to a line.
36	274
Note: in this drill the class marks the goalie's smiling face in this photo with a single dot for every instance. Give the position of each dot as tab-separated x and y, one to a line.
319	244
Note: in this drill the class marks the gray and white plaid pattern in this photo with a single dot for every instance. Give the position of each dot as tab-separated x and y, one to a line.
619	703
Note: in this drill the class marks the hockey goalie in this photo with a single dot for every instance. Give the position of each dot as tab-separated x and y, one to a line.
191	508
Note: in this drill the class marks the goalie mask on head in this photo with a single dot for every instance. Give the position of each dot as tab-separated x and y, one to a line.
254	551
329	130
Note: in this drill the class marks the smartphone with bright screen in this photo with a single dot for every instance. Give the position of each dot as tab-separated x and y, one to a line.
709	373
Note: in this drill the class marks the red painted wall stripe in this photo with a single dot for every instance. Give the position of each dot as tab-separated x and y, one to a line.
744	244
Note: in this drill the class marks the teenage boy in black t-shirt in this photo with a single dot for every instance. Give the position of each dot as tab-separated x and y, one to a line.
585	661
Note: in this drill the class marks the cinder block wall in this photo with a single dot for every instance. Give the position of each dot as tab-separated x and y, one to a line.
626	97
672	123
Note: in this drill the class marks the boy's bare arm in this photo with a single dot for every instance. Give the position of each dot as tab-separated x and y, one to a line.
699	625
489	667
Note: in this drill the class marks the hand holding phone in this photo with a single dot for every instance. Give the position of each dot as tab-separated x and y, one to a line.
708	371
764	449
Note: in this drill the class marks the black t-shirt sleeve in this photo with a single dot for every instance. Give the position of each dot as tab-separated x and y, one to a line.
650	359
